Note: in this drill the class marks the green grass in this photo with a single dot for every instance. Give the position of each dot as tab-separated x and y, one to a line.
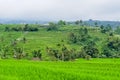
95	69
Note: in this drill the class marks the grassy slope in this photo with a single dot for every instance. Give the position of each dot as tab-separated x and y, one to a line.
43	38
96	69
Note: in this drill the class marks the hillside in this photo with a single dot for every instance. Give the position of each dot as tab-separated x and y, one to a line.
57	41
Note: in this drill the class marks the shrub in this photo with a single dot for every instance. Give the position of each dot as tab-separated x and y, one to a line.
18	52
37	54
87	57
52	27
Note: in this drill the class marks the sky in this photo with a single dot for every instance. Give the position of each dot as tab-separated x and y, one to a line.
60	9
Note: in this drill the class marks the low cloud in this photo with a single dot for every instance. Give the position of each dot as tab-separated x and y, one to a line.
60	9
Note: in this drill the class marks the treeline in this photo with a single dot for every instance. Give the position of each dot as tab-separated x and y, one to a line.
25	27
54	26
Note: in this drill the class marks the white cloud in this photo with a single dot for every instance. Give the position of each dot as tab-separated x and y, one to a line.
60	9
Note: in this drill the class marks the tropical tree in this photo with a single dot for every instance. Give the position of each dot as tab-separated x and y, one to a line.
52	27
61	23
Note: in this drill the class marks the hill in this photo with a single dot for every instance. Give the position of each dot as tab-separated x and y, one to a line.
57	41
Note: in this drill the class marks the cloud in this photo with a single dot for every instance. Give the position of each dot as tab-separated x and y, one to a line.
60	9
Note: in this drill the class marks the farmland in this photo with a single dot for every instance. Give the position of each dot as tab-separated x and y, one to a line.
58	41
94	69
59	52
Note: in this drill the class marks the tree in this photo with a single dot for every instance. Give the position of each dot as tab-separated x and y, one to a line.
114	44
107	52
53	53
111	47
77	22
117	30
52	27
72	37
91	50
61	23
108	28
7	29
102	27
63	53
82	35
111	34
67	54
96	24
83	31
26	27
81	23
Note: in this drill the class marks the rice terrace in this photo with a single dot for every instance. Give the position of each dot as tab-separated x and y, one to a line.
59	40
58	51
96	69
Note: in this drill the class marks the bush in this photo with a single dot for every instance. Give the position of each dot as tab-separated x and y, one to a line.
87	57
37	54
52	27
72	38
25	28
18	52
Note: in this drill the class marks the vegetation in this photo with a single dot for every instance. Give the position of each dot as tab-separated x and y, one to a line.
25	27
95	69
54	51
117	30
59	41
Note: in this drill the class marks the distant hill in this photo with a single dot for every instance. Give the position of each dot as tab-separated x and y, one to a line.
90	22
113	24
9	21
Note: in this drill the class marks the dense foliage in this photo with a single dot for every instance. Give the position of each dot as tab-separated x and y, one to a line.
26	27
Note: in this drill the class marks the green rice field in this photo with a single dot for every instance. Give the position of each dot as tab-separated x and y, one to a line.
94	69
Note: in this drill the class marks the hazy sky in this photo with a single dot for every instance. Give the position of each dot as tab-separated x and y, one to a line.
60	9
